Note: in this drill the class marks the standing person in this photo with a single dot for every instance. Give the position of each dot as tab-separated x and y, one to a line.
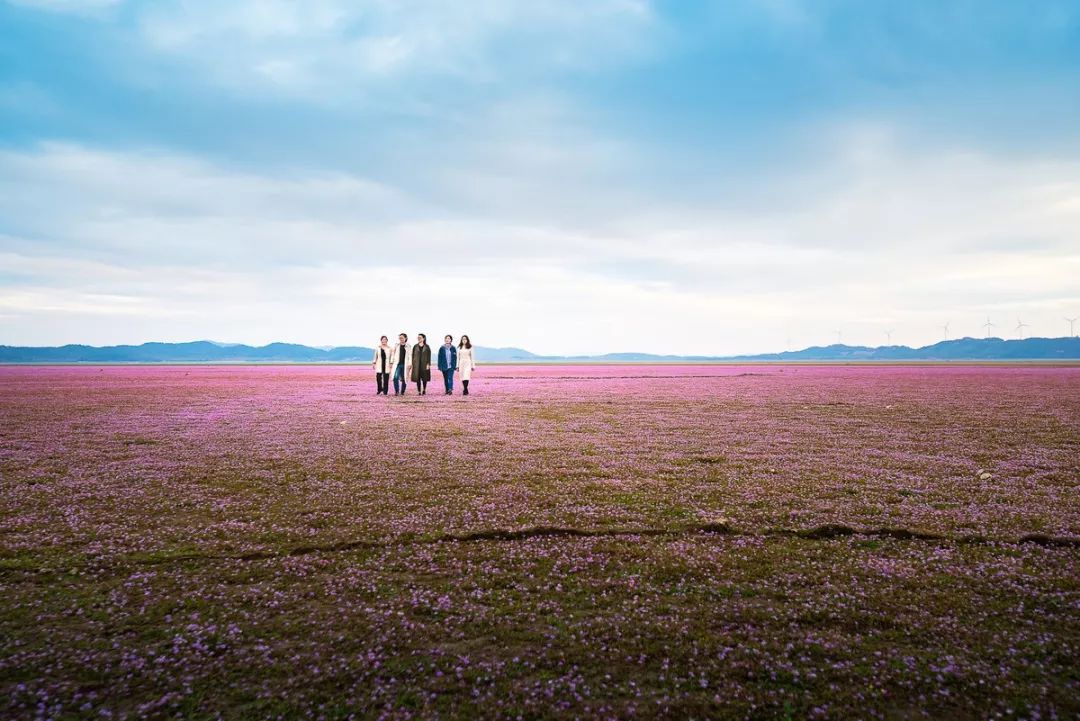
402	363
448	364
383	363
421	364
466	362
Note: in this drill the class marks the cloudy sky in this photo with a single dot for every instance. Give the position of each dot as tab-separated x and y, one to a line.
564	176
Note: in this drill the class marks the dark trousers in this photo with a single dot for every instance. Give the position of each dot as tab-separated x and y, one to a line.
382	382
448	379
421	385
399	375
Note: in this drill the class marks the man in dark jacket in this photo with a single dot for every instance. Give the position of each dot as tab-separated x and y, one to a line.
448	364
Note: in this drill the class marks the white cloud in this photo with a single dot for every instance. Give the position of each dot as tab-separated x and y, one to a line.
69	6
340	46
108	246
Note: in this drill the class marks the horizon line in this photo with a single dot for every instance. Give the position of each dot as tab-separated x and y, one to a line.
329	348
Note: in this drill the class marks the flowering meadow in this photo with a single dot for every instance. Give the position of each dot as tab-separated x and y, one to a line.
666	541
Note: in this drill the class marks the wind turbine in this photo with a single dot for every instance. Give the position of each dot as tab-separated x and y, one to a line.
839	335
946	329
1072	326
988	325
1020	325
888	335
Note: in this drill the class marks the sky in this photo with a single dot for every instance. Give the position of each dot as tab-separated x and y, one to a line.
567	177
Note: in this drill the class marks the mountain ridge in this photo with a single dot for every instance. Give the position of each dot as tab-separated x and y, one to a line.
204	351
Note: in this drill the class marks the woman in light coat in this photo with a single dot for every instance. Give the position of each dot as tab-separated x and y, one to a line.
383	363
466	362
402	367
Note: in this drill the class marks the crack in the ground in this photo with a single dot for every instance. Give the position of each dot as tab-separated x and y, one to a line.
817	533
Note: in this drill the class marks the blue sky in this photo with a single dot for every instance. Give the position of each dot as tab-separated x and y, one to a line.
563	176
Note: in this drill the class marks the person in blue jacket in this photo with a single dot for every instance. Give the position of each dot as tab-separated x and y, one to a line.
448	364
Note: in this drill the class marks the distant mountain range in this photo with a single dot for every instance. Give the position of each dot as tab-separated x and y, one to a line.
215	352
959	349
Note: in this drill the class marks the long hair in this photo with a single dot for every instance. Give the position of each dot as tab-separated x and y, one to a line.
464	342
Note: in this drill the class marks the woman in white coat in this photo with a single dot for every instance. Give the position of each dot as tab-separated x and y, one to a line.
383	363
402	363
466	362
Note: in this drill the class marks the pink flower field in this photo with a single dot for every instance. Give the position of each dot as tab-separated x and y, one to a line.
676	541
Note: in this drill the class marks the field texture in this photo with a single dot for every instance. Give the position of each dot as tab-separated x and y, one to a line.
568	542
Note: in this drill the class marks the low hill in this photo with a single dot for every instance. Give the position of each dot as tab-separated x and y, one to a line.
959	349
215	352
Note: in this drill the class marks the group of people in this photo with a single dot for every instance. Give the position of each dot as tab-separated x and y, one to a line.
407	363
